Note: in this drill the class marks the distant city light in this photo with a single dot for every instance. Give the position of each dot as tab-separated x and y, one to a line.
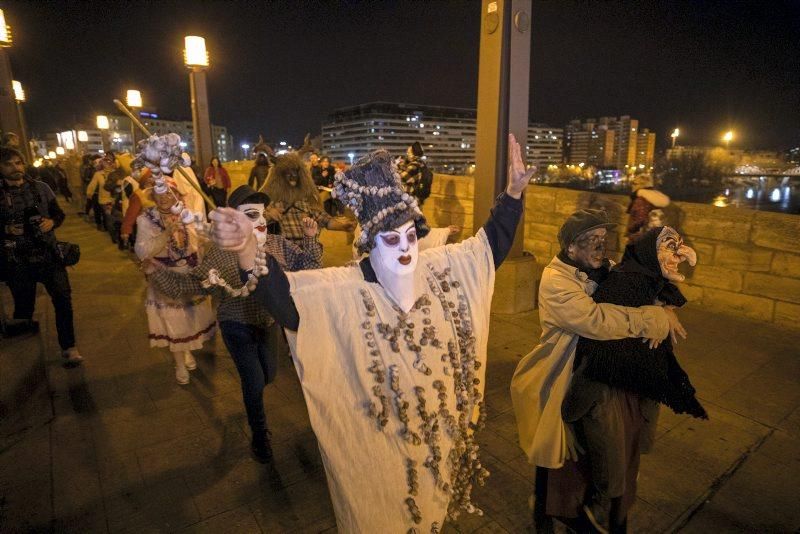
195	53
675	133
183	144
749	193
728	137
102	122
282	143
83	136
775	196
60	150
245	146
51	155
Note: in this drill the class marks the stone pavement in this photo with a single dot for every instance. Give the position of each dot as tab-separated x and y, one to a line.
117	445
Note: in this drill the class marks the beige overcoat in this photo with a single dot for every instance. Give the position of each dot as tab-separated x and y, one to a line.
540	382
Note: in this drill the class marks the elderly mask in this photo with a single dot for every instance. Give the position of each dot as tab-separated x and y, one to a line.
255	213
671	253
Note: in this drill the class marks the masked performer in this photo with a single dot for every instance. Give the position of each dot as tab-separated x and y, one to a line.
294	196
391	352
613	394
243	322
646	209
181	325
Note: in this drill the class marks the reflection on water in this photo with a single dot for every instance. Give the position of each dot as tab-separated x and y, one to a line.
763	193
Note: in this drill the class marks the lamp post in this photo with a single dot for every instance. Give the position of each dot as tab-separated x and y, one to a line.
351	156
245	148
675	133
134	101
102	125
195	57
9	106
728	137
19	98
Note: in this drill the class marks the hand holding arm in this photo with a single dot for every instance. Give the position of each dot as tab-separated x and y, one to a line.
232	230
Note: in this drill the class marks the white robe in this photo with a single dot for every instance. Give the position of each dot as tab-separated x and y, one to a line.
365	466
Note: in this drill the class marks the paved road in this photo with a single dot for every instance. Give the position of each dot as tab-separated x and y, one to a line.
118	446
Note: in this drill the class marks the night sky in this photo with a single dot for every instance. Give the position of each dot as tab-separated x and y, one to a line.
279	67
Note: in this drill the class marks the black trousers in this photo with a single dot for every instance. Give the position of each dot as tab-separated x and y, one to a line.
22	283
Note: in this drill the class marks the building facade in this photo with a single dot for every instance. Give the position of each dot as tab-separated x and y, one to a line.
612	142
447	135
118	135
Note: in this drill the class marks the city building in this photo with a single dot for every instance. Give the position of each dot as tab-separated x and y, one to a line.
118	135
609	142
446	134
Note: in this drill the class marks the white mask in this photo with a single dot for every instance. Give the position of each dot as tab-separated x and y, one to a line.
255	212
394	260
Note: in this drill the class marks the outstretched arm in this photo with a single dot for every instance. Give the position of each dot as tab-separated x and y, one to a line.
504	217
233	231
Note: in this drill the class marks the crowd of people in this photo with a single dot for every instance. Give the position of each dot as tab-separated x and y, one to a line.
390	350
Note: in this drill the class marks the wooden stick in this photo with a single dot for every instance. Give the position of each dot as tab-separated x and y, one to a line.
144	129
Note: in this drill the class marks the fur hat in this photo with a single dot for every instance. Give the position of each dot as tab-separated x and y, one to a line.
372	189
416	149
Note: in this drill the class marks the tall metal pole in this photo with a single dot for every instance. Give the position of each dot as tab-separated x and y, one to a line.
9	118
201	121
503	94
23	135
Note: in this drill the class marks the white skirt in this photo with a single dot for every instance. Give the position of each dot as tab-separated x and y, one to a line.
179	325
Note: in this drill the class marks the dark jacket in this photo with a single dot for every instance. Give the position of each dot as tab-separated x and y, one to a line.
21	208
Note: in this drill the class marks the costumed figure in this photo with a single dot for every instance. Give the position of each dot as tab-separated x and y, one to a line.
293	196
391	352
436	238
416	176
542	378
167	233
636	375
645	210
245	325
260	171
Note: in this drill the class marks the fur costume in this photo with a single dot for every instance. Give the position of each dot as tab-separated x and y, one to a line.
628	363
278	185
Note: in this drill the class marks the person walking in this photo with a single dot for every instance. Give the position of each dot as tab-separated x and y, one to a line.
217	182
29	214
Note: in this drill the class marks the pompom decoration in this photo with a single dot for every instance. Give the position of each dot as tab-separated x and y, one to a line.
373	190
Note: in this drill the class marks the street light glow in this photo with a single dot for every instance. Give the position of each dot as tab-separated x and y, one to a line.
102	122
60	150
728	137
675	133
51	154
19	92
5	31
195	53
245	146
134	98
83	137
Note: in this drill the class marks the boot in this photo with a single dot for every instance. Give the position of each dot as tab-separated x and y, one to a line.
189	361
261	447
181	373
542	523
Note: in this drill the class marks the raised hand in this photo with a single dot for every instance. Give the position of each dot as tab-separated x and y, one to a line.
230	229
518	176
309	227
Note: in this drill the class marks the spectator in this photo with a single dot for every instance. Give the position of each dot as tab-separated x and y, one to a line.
102	204
10	140
87	172
47	174
645	210
259	172
217	182
61	181
29	214
416	176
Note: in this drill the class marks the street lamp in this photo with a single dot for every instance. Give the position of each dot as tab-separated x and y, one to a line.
5	31
19	98
245	148
351	156
60	150
728	137
102	125
195	57
134	100
675	133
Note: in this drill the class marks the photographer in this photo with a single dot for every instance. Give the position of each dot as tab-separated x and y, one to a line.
29	213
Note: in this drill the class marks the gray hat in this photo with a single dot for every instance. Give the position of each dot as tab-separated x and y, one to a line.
580	222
